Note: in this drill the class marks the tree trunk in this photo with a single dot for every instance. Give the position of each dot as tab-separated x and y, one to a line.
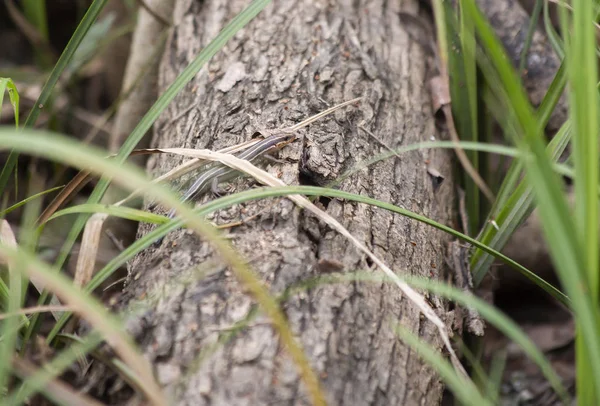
292	61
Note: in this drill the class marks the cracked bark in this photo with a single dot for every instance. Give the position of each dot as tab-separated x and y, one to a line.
293	61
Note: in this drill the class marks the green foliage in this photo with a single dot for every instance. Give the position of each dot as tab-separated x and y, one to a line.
27	200
580	53
571	234
61	64
479	71
8	86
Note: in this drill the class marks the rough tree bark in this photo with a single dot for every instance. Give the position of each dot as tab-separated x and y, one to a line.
292	61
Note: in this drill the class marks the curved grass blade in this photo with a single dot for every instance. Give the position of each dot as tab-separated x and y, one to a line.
535	15
464	390
260	193
54	368
7	85
553	36
27	200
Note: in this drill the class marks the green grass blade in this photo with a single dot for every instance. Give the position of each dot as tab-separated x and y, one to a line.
553	95
10	332
463	91
583	74
3	85
78	35
4	294
7	85
464	390
465	145
53	369
553	37
91	43
27	200
90	307
515	209
497	368
535	14
583	102
561	234
498	320
35	14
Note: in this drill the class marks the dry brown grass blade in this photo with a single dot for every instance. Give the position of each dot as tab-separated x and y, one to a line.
187	167
75	185
163	20
464	159
196	162
70	189
61	393
88	252
270	180
7	237
90	243
440	94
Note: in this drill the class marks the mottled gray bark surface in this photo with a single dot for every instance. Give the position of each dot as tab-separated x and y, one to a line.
295	60
511	22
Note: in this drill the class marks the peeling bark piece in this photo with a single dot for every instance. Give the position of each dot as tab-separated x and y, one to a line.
436	177
235	73
440	93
